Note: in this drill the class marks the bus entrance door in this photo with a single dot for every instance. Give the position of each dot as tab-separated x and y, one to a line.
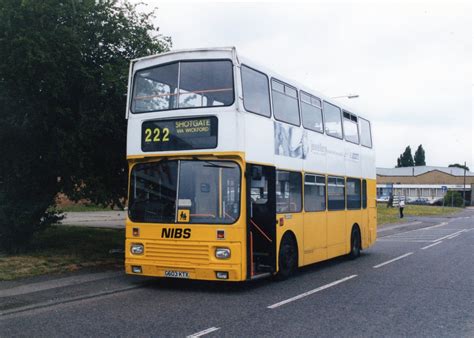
261	218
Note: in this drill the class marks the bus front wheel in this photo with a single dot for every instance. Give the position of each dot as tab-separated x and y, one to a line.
287	258
355	243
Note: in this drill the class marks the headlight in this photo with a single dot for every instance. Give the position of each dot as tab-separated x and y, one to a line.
137	249
223	253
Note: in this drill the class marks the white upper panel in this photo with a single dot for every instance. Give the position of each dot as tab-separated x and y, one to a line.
262	139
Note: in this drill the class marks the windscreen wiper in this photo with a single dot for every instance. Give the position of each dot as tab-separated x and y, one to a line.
213	165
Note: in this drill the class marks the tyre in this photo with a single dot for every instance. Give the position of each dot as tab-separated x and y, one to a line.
287	258
355	243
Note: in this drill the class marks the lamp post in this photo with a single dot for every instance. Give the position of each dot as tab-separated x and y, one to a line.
349	96
464	188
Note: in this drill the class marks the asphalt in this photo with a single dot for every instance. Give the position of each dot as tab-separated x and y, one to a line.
418	280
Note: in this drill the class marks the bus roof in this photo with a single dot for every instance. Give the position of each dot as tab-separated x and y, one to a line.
189	50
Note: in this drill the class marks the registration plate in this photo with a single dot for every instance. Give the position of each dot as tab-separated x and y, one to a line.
176	274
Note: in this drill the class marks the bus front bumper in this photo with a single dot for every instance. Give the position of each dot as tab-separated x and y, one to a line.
221	272
188	260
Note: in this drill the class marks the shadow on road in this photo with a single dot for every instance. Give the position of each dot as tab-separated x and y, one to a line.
217	287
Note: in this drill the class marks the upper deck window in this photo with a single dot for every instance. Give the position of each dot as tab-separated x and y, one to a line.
183	84
365	133
332	120
351	129
311	112
285	103
256	91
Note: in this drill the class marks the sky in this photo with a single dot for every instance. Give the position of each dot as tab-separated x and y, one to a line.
410	62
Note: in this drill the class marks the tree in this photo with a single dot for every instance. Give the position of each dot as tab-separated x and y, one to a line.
453	198
63	80
457	165
405	159
419	157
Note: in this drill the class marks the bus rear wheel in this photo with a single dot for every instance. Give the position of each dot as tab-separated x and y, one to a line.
355	243
287	258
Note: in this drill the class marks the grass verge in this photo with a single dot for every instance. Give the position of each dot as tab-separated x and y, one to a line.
63	249
391	215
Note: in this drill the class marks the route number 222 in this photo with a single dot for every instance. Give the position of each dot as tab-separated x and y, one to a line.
153	135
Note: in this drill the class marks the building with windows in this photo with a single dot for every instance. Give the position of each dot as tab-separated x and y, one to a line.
424	184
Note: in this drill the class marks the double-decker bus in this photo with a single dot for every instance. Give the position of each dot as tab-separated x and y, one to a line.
237	173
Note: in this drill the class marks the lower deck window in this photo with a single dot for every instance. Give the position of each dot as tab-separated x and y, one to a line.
353	193
336	193
288	191
314	193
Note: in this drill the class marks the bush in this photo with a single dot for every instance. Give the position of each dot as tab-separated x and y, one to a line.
27	188
454	198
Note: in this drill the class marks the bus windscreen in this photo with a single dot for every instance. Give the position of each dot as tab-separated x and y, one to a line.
204	191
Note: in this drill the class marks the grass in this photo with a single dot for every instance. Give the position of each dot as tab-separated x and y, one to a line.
64	249
82	208
391	215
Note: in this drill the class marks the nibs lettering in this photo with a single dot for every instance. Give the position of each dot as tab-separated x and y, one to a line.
176	233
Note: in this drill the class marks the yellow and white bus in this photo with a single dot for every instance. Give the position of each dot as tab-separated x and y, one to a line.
237	173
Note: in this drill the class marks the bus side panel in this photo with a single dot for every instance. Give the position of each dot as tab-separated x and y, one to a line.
365	229
372	207
315	237
336	233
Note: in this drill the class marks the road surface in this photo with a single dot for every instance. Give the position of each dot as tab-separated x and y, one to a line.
418	280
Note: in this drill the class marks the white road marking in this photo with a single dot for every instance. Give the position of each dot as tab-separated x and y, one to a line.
456	235
436	225
450	235
421	235
392	260
397	226
203	332
404	240
429	246
292	299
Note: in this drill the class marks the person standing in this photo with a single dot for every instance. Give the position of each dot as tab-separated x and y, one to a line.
390	201
401	206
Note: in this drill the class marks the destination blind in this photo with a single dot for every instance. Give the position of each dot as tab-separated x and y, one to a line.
180	134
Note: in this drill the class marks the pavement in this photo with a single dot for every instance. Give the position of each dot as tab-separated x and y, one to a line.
417	280
96	219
